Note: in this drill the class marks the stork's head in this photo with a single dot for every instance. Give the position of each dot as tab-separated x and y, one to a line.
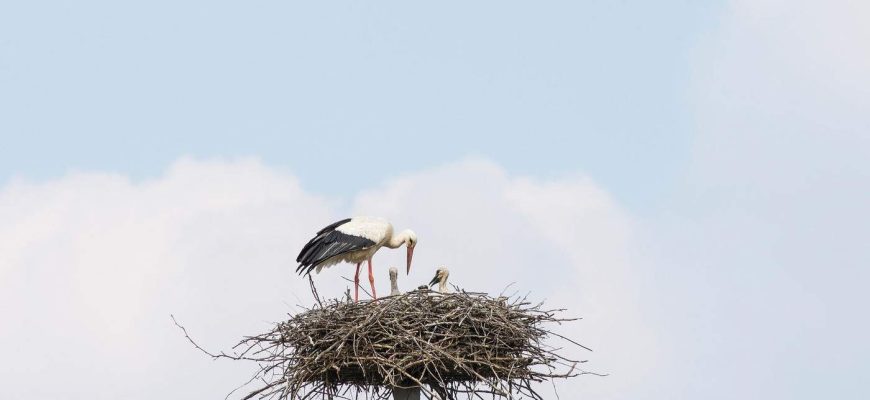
441	275
394	273
410	240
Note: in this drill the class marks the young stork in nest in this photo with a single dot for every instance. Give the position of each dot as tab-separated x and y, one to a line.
353	240
394	285
440	278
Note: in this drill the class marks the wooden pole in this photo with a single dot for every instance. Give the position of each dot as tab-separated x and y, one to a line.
406	394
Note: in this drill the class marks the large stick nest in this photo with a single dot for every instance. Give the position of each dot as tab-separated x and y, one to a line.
447	344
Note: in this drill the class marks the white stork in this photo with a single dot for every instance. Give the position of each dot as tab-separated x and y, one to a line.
440	278
394	285
353	240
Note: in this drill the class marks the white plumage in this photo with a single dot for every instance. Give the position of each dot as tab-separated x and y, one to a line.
394	284
372	228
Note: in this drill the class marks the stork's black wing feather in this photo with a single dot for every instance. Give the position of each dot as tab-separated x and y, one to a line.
313	242
334	225
327	244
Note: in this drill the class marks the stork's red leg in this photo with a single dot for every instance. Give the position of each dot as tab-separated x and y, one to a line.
356	284
372	280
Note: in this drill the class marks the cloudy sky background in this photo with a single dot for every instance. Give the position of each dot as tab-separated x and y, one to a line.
692	179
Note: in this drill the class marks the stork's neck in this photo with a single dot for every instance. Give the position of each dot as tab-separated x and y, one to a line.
398	240
394	286
442	286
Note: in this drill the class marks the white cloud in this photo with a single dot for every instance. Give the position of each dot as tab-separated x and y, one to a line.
93	264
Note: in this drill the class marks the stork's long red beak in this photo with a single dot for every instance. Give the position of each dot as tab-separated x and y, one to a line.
410	256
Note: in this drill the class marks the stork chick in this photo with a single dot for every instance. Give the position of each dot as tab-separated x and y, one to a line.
394	286
440	278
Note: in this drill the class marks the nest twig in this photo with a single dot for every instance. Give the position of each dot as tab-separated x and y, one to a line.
450	345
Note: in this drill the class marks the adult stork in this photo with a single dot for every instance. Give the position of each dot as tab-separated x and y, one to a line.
353	240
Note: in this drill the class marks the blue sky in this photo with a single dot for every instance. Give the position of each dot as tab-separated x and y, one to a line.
546	90
690	177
